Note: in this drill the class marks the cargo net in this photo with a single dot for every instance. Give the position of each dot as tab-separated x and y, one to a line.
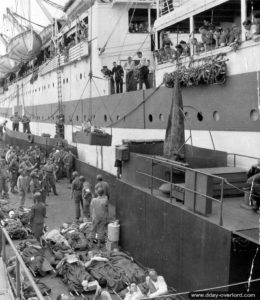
211	71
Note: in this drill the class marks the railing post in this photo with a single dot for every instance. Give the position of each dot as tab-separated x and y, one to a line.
195	190
18	280
3	246
221	202
235	160
171	184
152	179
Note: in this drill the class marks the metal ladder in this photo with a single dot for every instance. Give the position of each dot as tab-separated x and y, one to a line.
59	85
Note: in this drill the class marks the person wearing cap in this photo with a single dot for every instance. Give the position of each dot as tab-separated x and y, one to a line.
104	185
118	72
76	192
4	178
58	163
143	71
68	162
99	215
22	184
86	197
16	120
26	124
37	216
129	68
35	185
13	169
49	170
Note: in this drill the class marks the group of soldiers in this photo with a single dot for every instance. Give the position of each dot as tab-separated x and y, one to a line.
16	119
94	203
31	171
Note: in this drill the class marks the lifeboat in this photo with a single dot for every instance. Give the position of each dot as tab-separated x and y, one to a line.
25	46
8	65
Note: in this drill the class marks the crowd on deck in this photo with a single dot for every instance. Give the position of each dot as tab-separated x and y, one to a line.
141	27
137	74
33	174
212	37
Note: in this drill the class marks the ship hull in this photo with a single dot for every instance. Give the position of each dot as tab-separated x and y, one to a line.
21	139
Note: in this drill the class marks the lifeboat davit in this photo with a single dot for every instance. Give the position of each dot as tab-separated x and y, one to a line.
24	46
8	65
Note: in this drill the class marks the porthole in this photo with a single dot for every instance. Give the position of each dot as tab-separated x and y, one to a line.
67	80
53	84
150	117
161	117
77	118
200	116
105	118
216	115
80	76
94	117
63	81
254	115
117	117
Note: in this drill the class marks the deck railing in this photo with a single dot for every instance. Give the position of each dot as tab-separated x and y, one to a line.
235	160
177	167
20	265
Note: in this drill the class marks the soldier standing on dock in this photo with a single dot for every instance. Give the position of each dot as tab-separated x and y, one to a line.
16	120
49	169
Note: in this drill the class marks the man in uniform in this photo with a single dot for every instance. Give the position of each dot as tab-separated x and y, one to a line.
68	162
87	197
76	192
16	120
13	169
58	163
26	124
50	170
104	185
35	185
99	215
22	184
119	75
143	71
4	177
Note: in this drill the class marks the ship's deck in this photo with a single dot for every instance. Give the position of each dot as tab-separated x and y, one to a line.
60	210
236	216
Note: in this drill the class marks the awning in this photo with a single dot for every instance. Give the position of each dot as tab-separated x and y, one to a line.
190	8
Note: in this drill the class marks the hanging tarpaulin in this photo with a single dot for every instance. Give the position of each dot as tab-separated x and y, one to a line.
92	138
174	144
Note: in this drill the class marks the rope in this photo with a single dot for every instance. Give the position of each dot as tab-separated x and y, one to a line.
23	18
80	98
113	30
251	270
103	101
127	32
203	290
135	108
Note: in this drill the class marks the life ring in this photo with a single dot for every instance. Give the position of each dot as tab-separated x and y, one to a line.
30	138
